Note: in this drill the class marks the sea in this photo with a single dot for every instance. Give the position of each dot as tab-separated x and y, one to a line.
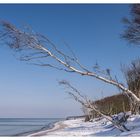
25	126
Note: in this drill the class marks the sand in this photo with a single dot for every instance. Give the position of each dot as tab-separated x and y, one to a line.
57	126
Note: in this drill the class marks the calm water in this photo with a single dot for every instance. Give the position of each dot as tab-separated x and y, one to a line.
24	126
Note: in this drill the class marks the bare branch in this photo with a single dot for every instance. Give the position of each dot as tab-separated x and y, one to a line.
90	105
52	66
20	40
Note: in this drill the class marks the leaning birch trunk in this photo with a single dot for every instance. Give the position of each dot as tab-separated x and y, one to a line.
41	47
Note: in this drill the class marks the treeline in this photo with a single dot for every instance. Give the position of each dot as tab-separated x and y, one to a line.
113	104
110	105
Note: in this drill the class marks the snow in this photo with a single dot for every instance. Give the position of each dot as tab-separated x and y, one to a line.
98	127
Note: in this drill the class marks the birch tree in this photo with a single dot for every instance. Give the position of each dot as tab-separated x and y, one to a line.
37	49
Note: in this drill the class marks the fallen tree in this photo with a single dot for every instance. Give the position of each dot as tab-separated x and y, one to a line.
117	121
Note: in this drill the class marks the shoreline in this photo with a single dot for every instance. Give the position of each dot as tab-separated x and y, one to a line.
55	127
97	128
44	128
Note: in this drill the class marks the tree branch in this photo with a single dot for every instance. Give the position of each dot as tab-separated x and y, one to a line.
90	105
18	39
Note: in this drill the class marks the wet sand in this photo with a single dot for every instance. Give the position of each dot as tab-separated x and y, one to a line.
57	126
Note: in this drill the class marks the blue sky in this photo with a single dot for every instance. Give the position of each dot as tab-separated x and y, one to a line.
92	31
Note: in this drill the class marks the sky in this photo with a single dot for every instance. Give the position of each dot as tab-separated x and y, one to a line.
93	32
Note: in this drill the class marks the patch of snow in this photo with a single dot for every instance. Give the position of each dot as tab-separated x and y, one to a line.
99	127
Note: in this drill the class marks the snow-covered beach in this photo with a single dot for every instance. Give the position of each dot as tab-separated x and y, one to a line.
99	127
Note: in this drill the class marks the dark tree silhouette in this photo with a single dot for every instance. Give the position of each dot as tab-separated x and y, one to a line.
132	30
